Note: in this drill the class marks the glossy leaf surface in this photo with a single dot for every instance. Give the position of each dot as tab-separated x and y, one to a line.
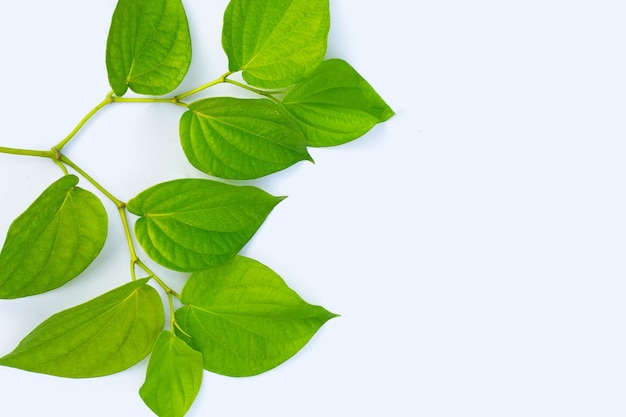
240	138
275	42
335	105
194	224
149	47
53	241
100	337
173	378
244	319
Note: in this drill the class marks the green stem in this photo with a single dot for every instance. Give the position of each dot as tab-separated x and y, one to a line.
119	203
268	94
154	276
28	152
172	312
171	100
220	80
65	141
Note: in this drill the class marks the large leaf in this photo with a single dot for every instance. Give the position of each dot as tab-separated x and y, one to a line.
149	47
240	139
244	319
53	241
100	337
194	224
335	105
173	378
275	42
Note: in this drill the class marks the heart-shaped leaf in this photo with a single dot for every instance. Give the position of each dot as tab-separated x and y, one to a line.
244	318
335	105
275	42
194	224
240	139
53	241
100	337
149	47
173	378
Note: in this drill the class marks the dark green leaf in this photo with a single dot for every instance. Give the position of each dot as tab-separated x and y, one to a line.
149	47
335	105
195	224
275	42
244	319
53	241
100	337
173	378
240	139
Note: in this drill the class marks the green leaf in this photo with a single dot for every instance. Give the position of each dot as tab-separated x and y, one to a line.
149	47
53	241
194	224
100	337
335	105
240	138
275	42
244	319
173	378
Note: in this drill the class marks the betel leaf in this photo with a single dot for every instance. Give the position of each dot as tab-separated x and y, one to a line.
194	224
335	105
103	336
53	241
275	42
240	138
148	47
173	378
244	318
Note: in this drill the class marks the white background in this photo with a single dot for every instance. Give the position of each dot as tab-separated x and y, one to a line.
474	245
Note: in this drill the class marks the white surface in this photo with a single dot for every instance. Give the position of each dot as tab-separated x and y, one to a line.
474	244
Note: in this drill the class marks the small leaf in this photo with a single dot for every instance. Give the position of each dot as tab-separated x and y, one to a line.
240	138
194	224
275	42
149	46
100	337
244	319
173	378
53	241
335	105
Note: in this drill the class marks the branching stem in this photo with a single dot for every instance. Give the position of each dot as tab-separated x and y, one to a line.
65	141
220	80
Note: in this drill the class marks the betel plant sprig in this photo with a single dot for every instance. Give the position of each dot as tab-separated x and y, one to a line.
234	316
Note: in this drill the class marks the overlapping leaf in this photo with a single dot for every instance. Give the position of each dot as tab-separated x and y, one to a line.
244	319
100	337
335	105
53	241
173	378
149	47
275	42
240	139
195	224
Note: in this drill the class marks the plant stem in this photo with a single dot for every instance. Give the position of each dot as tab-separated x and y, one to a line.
65	141
154	276
119	203
268	94
171	100
28	152
220	80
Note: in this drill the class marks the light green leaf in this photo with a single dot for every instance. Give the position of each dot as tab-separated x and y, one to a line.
53	241
275	42
244	319
149	47
240	138
100	337
194	224
173	378
335	105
